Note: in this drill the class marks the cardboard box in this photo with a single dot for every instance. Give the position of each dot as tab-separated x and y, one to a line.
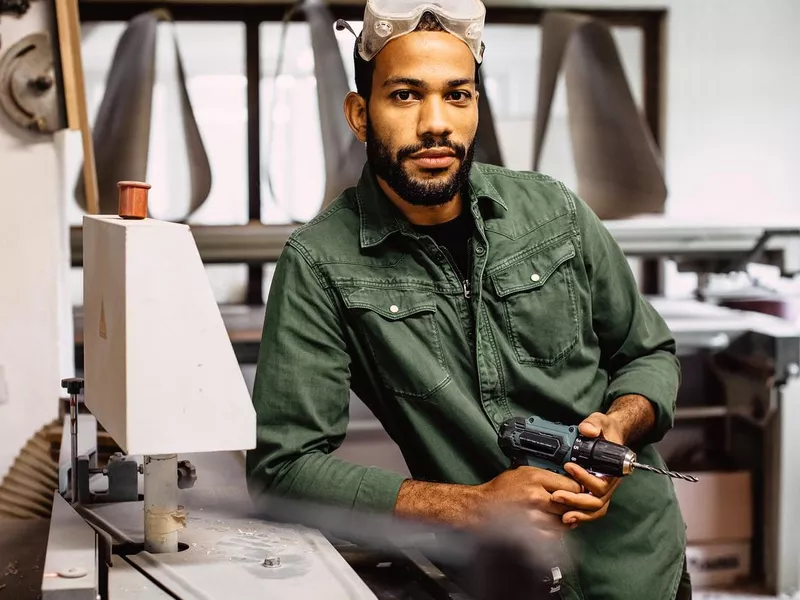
718	508
718	565
718	511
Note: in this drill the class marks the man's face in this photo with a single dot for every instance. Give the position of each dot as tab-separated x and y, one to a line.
422	117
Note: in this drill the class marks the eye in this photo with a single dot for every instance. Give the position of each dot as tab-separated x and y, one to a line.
459	96
403	95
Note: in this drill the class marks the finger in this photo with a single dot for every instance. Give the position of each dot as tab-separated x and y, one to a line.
595	485
554	508
553	481
572	501
548	523
615	483
576	517
592	426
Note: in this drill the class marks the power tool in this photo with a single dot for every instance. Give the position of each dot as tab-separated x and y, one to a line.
536	442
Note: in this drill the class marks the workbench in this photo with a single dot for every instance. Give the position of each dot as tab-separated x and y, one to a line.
220	486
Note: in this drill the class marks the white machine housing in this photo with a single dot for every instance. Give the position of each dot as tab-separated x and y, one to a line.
160	375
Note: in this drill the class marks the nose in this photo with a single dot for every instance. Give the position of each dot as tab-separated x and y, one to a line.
433	119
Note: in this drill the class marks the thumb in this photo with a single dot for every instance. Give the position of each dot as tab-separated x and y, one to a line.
592	426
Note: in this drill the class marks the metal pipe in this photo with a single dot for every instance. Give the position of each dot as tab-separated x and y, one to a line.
73	432
702	412
161	518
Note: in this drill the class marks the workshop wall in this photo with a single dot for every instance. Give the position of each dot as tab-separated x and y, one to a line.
36	332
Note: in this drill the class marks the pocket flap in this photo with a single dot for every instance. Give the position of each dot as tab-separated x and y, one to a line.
390	304
533	270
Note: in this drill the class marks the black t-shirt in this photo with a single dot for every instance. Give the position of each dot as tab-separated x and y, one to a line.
453	237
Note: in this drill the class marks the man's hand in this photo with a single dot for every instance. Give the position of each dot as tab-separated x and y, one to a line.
629	418
593	503
525	489
531	489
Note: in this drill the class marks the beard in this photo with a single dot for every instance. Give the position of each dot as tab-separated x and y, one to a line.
419	192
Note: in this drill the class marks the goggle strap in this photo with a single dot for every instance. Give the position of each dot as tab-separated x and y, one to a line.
341	25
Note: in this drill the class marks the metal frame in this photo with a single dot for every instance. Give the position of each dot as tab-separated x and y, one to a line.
650	21
701	248
70	566
782	528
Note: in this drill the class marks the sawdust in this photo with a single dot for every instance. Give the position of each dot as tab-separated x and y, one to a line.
12	569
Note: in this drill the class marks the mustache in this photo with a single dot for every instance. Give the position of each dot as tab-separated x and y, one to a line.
430	143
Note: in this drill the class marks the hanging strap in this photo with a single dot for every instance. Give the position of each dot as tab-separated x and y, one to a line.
487	146
122	127
344	153
619	166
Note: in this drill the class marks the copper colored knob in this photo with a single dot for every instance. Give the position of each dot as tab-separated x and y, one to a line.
133	199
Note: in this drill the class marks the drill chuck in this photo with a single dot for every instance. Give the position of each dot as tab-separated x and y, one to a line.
602	456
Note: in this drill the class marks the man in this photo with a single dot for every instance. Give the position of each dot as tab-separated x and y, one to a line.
451	296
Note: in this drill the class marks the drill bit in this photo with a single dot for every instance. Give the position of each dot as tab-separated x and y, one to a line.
672	474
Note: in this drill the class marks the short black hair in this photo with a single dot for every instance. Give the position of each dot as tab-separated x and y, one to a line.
364	69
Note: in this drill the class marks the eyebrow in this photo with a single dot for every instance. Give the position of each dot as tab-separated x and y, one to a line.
418	83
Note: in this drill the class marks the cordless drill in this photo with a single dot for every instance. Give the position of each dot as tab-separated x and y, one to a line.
536	442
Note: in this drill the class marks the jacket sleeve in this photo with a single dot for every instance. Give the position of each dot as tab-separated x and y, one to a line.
301	398
637	347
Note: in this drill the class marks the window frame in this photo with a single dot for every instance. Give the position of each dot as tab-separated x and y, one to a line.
232	244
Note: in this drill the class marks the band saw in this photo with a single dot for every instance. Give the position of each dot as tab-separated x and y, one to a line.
161	377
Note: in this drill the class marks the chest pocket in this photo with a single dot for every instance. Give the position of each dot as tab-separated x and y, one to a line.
537	294
399	327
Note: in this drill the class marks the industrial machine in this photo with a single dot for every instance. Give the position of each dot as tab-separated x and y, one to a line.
161	377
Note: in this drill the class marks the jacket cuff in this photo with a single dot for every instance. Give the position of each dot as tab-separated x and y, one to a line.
378	490
660	394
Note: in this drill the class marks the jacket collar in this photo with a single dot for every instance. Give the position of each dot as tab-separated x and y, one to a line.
380	218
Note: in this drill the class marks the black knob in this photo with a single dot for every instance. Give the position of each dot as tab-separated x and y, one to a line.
20	7
74	385
42	83
187	475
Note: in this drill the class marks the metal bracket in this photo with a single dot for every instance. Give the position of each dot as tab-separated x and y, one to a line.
123	480
740	264
28	93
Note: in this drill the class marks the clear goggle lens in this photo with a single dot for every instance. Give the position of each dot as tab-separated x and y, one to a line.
385	20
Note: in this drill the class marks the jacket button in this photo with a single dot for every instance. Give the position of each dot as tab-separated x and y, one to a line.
394	308
535	277
479	250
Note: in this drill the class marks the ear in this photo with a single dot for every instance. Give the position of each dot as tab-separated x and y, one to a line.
355	111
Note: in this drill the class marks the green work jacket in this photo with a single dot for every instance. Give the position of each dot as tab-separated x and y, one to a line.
550	322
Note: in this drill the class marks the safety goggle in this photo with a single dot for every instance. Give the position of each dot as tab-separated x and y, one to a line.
385	20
